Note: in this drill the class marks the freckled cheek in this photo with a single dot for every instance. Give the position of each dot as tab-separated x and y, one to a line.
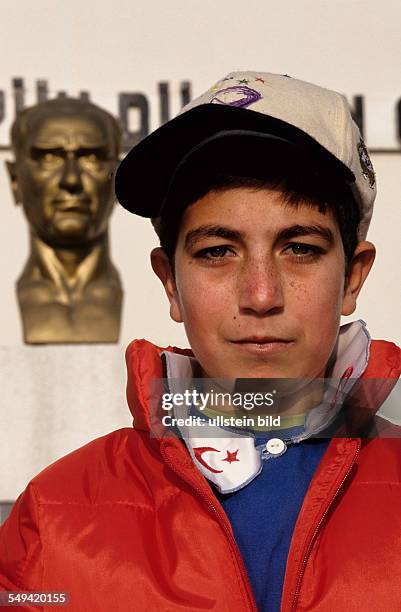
205	303
317	305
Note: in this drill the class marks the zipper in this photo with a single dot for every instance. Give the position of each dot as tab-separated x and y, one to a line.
229	535
312	540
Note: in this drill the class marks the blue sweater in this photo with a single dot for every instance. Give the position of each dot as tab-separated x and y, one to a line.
263	516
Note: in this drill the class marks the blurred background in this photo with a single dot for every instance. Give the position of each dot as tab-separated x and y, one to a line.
159	54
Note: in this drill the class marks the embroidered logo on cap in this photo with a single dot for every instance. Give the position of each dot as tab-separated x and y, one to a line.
366	165
238	95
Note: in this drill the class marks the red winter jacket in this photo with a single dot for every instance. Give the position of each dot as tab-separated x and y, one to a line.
129	523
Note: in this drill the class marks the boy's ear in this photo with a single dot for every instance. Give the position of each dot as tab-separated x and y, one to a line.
162	268
11	167
358	269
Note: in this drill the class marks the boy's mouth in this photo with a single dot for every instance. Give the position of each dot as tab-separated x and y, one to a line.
263	344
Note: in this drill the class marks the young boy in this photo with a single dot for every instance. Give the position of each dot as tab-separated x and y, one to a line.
261	192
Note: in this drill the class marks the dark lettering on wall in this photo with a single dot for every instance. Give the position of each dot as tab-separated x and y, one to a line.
164	96
126	103
357	110
41	90
2	106
185	92
19	94
129	102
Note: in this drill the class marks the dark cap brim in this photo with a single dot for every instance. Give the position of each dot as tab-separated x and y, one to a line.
144	175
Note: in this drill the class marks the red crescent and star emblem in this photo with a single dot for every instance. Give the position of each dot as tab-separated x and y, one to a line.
199	450
231	456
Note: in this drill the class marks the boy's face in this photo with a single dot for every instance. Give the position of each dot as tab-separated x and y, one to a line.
260	285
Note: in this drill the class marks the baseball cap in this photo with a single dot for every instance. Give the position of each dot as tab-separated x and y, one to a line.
250	107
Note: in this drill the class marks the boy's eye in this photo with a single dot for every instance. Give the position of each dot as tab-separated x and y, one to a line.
216	252
298	251
301	250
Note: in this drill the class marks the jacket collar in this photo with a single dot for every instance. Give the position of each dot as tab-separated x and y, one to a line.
230	458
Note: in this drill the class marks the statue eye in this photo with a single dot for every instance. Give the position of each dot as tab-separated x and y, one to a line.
49	157
90	159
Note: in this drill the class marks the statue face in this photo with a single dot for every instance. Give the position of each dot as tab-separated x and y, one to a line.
63	176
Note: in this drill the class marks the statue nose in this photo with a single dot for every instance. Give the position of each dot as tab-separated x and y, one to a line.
71	177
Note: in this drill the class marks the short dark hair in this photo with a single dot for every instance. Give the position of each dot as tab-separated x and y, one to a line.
287	171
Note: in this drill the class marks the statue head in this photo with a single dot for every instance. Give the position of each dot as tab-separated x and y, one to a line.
65	151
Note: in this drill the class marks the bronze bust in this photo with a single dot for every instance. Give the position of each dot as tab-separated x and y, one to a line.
66	151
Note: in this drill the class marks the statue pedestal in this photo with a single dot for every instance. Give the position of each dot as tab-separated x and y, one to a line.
54	399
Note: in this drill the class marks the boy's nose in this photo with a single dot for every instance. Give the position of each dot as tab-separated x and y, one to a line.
261	290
